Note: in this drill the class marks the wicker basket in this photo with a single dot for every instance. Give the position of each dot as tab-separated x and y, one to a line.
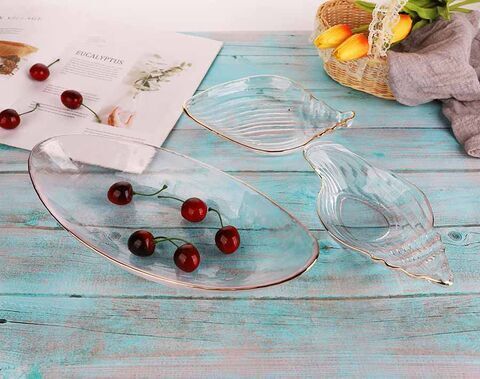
373	77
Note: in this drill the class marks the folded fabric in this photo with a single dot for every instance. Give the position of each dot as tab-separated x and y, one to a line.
441	61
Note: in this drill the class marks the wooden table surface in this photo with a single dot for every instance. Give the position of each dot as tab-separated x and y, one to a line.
67	312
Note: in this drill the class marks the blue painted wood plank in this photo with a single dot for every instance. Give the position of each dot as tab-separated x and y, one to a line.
274	42
296	191
399	150
399	337
52	263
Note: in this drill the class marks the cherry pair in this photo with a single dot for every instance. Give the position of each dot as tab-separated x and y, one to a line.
194	209
186	257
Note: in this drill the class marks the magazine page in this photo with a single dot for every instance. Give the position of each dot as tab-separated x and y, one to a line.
133	84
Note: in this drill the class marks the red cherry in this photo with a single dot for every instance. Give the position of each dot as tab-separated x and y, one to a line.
227	239
141	243
194	209
187	257
71	99
120	193
39	72
9	119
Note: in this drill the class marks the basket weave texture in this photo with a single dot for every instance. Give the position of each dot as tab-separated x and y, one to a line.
366	74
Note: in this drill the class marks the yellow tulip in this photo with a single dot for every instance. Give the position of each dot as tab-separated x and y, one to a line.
403	27
332	37
353	48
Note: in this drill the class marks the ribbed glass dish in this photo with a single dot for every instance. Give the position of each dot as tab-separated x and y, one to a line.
377	213
266	113
72	174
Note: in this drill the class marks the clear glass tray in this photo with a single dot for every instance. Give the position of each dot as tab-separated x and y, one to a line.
377	213
72	174
266	113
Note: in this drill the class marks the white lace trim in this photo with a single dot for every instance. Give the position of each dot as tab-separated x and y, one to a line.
384	18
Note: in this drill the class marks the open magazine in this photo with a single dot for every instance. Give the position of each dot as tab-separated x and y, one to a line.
136	81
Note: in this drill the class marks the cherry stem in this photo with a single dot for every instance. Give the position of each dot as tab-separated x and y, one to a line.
218	213
54	62
96	115
169	239
170	197
31	110
151	194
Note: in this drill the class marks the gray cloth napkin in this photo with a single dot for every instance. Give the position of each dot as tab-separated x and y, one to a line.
442	61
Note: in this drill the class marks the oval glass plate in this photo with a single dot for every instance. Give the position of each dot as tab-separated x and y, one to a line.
377	213
72	174
266	113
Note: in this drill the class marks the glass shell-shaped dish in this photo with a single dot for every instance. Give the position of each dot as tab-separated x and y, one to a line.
377	213
266	113
72	174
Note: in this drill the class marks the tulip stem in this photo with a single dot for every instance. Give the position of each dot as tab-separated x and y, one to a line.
361	29
462	3
462	10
